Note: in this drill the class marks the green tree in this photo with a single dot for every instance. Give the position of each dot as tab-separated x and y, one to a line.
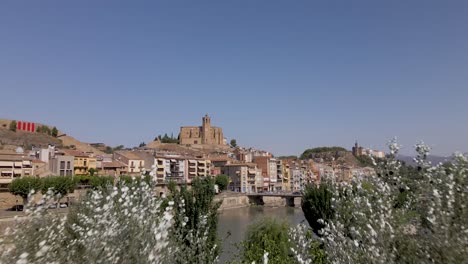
267	235
142	144
222	181
233	143
54	132
60	185
13	125
23	187
317	204
108	150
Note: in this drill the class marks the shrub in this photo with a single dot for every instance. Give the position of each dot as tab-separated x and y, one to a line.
375	223
196	222
267	236
13	125
125	225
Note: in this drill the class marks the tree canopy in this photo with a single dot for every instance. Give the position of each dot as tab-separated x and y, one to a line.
167	139
222	181
309	152
23	186
233	143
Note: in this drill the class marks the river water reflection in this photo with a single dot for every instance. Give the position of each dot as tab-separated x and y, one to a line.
233	224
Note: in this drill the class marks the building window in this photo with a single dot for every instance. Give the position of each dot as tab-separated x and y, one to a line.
62	165
84	163
62	173
68	165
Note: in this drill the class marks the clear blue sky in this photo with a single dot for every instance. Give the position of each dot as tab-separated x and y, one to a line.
277	75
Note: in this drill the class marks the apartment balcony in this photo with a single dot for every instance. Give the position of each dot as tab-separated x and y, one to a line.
176	174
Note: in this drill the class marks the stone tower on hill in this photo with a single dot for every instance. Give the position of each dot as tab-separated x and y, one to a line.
202	135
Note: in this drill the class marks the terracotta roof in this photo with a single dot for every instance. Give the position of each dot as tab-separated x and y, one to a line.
113	164
129	155
76	153
37	161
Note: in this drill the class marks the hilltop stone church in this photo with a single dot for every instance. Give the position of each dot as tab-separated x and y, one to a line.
202	135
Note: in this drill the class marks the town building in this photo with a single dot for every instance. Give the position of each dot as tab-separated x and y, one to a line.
180	169
112	168
40	168
269	168
134	163
359	151
14	165
244	177
62	165
43	154
286	177
201	135
198	168
83	163
170	169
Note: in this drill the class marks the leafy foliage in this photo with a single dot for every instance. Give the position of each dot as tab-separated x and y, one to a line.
308	153
13	125
61	185
100	182
233	143
24	185
92	171
401	215
317	205
167	139
82	179
110	150
44	129
267	235
366	161
54	132
222	181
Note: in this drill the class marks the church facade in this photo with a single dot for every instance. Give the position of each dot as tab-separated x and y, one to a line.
201	135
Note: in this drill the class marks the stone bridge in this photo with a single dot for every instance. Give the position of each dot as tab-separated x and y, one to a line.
275	199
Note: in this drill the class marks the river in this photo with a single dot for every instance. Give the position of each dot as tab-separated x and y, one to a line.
233	224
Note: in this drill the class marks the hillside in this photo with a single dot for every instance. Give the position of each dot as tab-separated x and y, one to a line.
11	140
69	141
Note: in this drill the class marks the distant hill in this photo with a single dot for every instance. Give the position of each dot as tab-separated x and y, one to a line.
336	155
409	160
